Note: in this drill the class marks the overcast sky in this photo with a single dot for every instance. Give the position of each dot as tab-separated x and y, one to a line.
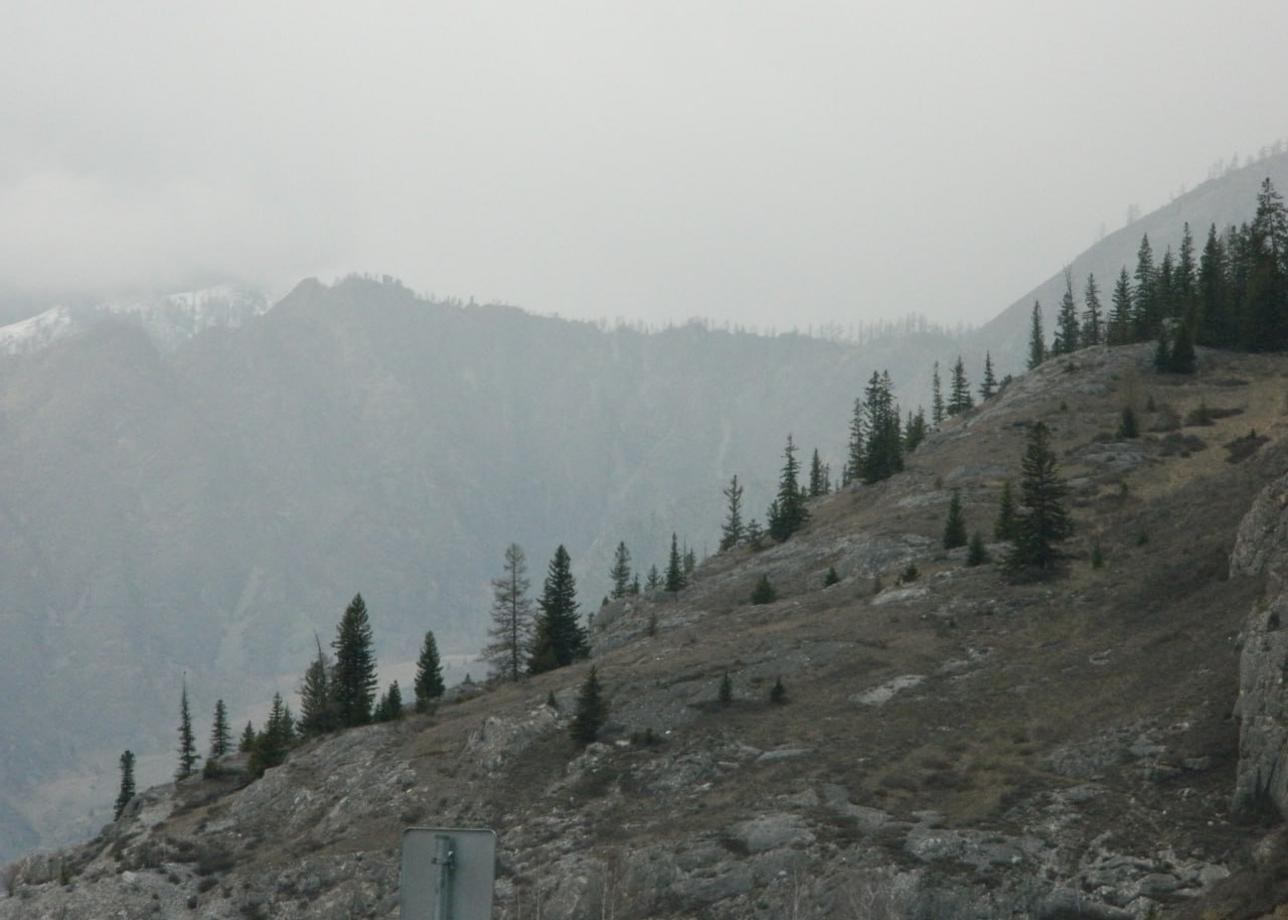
785	162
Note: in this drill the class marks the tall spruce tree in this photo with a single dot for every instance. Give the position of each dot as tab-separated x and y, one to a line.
955	524
246	743
959	398
883	456
188	756
353	681
560	638
655	579
592	710
818	484
676	581
914	432
732	532
1185	280
853	469
1146	318
988	388
429	685
1121	319
127	785
1004	526
621	571
1037	340
1093	327
1216	325
936	397
788	513
1266	290
221	737
1043	520
317	705
510	634
1066	329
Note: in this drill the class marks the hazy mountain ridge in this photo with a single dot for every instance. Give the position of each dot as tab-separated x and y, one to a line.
354	437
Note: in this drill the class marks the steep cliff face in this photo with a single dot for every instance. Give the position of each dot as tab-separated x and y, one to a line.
1261	550
954	746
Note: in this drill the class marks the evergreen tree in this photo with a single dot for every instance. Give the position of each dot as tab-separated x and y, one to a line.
510	635
764	592
882	431
1128	427
353	682
188	756
1093	332
560	638
1066	330
635	585
1182	359
755	533
1266	289
675	579
955	525
317	704
778	693
654	579
690	561
1146	318
127	785
818	484
429	685
270	745
390	708
788	513
1121	321
732	532
725	694
1185	279
1004	526
621	571
976	552
936	397
1216	326
915	431
831	577
989	387
1043	520
592	710
221	737
1162	354
1037	341
1165	287
959	398
247	742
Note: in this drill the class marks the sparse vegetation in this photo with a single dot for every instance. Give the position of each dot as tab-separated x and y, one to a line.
764	592
592	710
778	693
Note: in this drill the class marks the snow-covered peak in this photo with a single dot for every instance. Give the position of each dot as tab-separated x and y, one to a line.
169	319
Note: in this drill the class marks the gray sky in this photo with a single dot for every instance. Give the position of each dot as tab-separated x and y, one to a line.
759	162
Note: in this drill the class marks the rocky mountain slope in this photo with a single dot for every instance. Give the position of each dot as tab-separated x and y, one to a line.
956	746
206	505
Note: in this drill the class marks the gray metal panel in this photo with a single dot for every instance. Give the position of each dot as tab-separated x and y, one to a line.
461	890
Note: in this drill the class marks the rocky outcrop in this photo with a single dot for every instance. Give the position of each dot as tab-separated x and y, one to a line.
1261	550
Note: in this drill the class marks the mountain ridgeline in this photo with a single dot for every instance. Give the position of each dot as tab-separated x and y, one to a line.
205	509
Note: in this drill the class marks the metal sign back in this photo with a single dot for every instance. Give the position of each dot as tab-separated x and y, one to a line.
447	873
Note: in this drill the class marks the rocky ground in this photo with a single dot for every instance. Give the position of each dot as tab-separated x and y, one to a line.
954	746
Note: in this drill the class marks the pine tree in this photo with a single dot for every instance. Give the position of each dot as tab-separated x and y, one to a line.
1146	317
818	484
317	704
955	525
778	693
1121	322
127	785
764	592
620	573
1066	330
852	471
188	756
1165	287
732	532
635	585
1182	359
247	742
1093	332
1037	341
390	708
1185	280
1004	526
976	552
1216	326
725	695
989	387
560	638
429	685
914	432
510	635
270	745
221	738
831	577
788	513
353	682
959	398
1162	354
1128	427
592	710
936	397
654	579
1266	290
675	578
883	456
690	561
1043	520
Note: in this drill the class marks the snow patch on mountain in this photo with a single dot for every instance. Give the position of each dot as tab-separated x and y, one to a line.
169	319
